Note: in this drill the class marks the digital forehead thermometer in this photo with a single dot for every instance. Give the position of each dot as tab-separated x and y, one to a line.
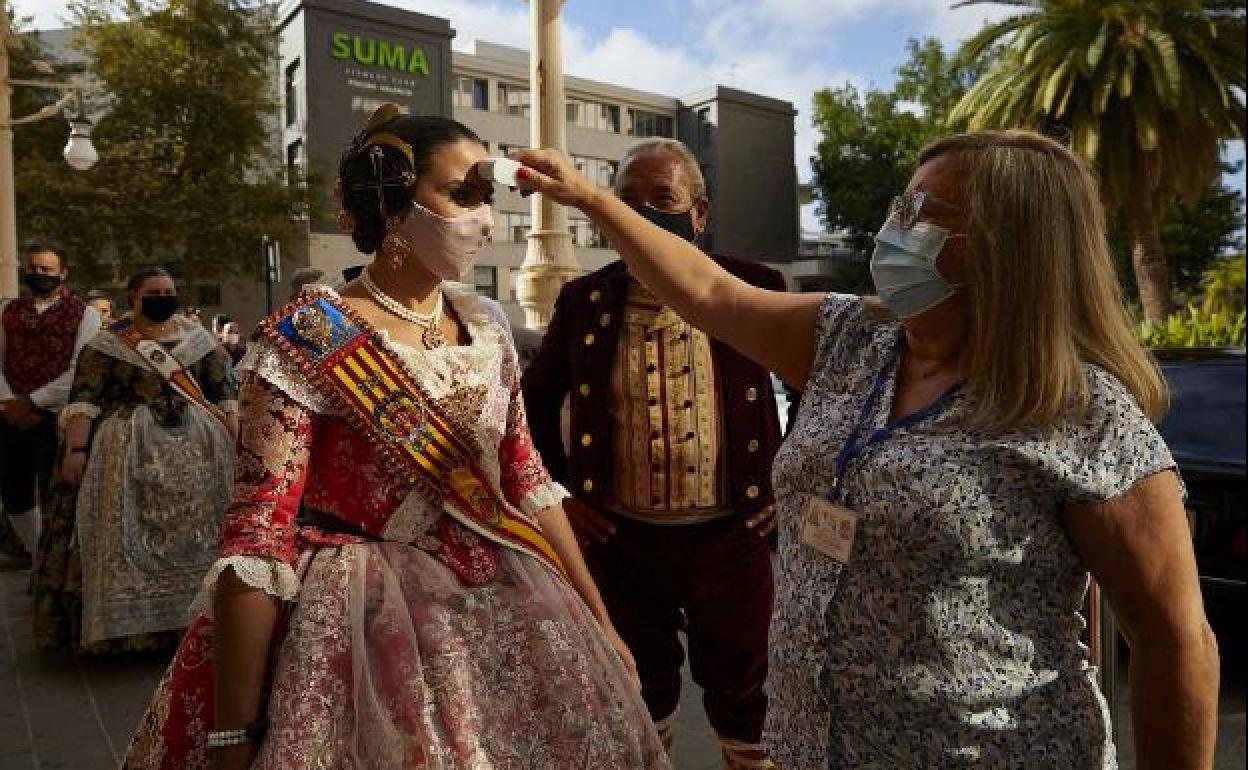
500	171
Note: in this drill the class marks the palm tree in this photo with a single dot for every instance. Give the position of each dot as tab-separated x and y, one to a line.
1146	91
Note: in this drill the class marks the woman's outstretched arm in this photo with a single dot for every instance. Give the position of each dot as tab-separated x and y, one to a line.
775	329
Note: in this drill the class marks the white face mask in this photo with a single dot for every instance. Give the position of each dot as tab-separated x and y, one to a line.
903	267
447	247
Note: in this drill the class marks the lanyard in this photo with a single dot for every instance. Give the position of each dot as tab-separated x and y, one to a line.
856	445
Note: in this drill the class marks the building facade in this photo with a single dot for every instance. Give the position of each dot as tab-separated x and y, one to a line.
339	59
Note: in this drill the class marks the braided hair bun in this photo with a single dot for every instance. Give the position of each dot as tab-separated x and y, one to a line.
377	173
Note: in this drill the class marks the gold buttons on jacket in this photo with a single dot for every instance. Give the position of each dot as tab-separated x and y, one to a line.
751	492
586	439
595	295
753	445
604	319
751	394
584	389
589	339
588	485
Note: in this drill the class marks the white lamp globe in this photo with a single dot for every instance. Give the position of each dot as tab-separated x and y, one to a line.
79	152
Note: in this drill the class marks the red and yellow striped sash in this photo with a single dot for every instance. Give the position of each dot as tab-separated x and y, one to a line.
342	358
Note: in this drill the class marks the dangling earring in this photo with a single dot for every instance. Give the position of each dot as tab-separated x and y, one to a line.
395	247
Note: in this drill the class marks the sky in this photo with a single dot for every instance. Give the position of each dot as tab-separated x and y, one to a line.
786	49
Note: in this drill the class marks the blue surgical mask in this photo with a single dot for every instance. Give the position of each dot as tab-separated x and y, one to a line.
903	267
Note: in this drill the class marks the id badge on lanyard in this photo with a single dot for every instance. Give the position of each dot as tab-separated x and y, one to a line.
829	523
829	528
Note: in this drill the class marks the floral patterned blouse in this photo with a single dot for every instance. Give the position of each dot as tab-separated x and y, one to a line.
952	638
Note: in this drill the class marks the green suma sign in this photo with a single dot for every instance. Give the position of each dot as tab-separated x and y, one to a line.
378	53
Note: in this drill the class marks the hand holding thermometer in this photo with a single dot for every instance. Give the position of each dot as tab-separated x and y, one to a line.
500	171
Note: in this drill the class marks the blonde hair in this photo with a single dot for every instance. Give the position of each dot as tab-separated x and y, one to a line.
1045	299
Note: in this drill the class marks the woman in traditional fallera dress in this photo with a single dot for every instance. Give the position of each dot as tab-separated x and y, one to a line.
143	480
397	584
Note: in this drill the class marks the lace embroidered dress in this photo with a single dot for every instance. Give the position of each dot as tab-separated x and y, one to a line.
432	649
122	554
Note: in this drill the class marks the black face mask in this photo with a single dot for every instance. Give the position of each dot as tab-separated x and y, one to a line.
40	283
159	307
678	223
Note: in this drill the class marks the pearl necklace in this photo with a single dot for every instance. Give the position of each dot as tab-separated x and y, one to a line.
431	335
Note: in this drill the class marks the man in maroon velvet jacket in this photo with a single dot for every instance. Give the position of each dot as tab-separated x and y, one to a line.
41	334
672	440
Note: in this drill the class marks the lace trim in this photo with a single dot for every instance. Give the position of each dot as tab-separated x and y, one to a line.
542	498
269	575
264	360
78	409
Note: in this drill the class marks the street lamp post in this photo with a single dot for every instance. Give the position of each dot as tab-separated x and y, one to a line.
550	260
79	151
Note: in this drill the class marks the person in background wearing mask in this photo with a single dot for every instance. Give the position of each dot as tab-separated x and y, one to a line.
227	333
438	611
41	334
102	303
232	340
144	479
673	435
973	444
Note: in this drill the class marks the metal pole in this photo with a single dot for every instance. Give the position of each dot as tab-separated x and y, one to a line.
8	196
1103	650
550	260
267	252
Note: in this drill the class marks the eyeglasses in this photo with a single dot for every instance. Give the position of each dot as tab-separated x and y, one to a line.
908	207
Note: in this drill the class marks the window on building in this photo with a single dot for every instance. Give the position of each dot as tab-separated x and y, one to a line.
485	279
610	118
513	99
595	116
600	170
515	284
515	227
643	124
292	93
706	129
471	92
586	235
294	162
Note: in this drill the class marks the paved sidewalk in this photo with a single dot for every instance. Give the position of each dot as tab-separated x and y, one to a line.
59	712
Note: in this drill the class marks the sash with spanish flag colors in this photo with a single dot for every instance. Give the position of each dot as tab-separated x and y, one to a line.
338	353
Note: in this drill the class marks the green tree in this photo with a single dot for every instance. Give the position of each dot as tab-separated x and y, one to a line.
188	174
871	140
1145	89
1194	237
39	166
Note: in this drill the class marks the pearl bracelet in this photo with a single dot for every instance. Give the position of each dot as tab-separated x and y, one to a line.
225	738
252	733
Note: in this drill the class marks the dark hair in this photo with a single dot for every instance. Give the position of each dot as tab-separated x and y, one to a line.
137	278
377	179
95	294
45	247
